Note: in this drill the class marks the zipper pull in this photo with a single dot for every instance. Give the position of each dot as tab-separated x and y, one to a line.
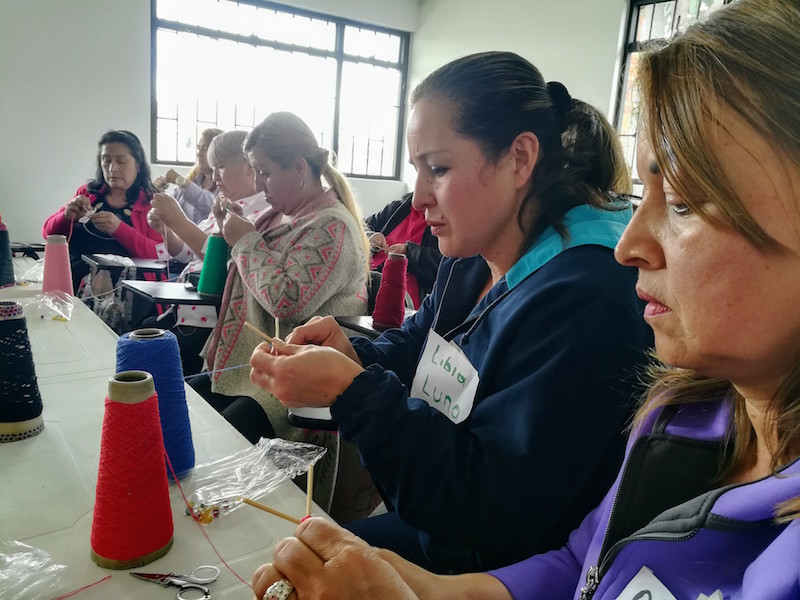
592	581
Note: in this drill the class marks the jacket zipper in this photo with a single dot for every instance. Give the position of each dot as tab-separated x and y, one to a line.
595	573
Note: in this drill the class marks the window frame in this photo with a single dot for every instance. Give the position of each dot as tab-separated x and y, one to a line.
338	54
631	46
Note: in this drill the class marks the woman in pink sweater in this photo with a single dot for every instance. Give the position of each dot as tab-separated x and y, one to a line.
108	215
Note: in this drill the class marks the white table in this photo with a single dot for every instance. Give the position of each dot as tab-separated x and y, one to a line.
48	482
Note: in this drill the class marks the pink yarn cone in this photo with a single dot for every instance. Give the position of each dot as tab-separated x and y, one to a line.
57	269
390	301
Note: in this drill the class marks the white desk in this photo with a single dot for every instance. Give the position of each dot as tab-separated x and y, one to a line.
48	481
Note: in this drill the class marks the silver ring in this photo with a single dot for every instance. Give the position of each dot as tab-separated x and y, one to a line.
279	590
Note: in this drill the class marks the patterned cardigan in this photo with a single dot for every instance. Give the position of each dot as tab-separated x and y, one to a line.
314	264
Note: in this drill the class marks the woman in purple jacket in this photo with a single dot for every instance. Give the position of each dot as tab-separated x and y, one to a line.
707	502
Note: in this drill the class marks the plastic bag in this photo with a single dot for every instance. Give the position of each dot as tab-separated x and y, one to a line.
33	275
28	572
55	305
216	488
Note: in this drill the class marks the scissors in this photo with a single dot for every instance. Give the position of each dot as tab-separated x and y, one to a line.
192	585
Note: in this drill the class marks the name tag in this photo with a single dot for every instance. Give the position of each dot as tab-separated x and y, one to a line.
445	378
645	586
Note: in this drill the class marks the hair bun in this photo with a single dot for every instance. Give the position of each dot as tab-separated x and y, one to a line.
562	102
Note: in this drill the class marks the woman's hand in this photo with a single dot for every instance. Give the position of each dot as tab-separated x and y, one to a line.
155	223
235	227
105	221
167	210
396	249
302	375
221	207
323	331
77	207
377	241
323	561
171	176
160	183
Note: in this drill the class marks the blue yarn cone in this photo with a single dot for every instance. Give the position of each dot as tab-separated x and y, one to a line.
156	352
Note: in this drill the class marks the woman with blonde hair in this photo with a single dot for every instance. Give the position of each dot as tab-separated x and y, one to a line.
306	254
195	193
706	505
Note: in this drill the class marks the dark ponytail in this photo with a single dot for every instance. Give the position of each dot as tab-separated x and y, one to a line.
495	96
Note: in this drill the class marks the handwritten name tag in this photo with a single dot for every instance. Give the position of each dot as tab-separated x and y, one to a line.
645	586
445	378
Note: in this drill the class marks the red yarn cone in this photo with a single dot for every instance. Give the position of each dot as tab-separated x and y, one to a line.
132	521
390	303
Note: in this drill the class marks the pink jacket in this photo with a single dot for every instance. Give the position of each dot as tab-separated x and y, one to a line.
140	240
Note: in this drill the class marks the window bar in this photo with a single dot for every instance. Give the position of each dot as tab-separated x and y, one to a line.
352	152
366	167
674	18
383	149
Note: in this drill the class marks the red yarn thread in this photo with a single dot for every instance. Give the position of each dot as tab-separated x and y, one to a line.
81	589
390	301
132	514
197	522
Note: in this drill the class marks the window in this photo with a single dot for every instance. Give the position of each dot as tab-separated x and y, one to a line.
226	64
650	20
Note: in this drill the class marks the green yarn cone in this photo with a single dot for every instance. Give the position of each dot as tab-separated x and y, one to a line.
215	267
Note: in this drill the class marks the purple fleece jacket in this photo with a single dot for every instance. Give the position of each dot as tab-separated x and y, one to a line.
722	539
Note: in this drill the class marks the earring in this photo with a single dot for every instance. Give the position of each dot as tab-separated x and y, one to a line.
302	183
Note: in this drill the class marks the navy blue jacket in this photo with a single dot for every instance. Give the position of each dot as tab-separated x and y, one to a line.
556	356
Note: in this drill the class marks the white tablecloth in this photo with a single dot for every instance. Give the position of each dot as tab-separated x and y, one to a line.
48	481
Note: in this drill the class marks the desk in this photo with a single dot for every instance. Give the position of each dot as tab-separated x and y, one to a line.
170	292
365	326
29	249
146	265
49	480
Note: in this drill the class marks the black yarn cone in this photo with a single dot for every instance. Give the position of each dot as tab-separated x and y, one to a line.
6	264
20	401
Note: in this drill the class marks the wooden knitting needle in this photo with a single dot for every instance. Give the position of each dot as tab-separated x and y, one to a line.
271	511
309	489
258	332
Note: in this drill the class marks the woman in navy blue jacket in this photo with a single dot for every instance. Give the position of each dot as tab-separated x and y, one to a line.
492	419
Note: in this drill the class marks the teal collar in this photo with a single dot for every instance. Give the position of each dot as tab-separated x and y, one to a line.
587	226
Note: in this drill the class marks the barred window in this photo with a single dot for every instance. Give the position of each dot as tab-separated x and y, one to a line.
227	64
650	20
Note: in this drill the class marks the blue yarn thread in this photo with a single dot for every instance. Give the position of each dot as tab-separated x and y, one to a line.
160	356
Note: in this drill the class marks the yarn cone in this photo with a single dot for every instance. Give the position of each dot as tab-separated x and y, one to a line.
390	300
215	267
132	519
57	268
6	264
20	402
156	351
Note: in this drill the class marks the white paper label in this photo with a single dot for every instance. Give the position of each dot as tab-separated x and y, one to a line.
645	586
445	378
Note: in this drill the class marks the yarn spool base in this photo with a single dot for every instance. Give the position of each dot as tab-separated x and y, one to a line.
131	563
21	430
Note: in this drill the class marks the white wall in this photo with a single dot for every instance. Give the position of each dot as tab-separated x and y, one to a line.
573	41
70	70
